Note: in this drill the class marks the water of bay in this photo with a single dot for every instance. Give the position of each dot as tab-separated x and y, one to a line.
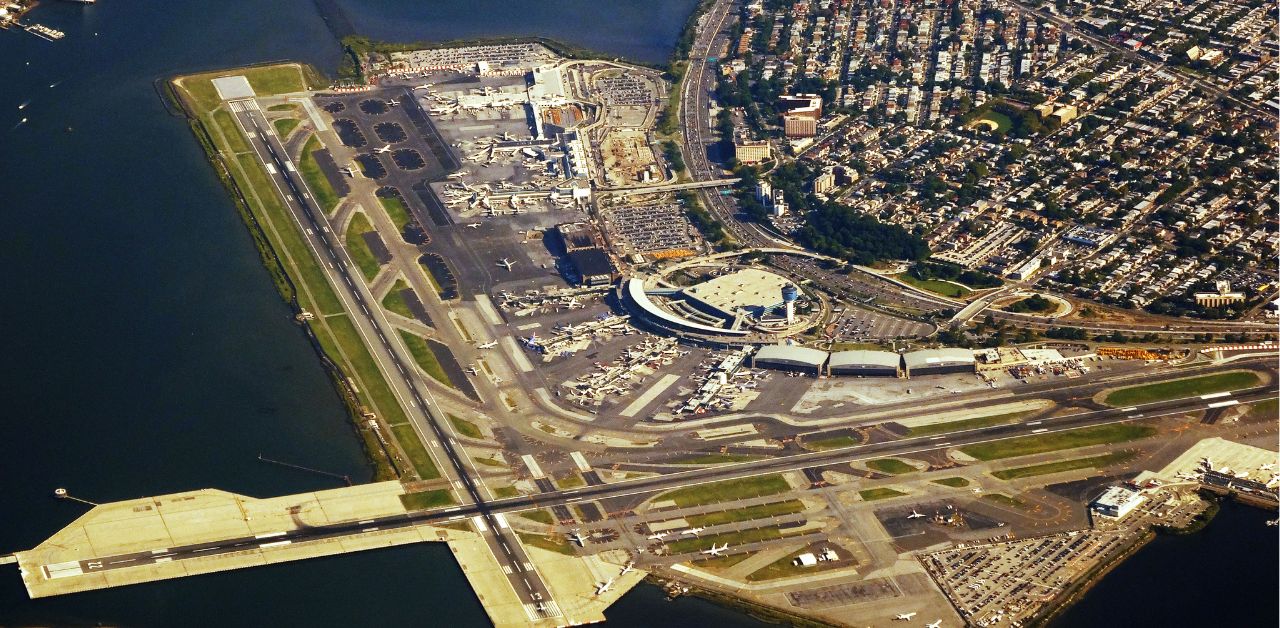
148	351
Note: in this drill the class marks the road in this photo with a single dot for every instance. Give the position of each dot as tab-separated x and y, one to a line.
391	356
695	477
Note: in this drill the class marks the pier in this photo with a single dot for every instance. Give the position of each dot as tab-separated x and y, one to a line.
207	531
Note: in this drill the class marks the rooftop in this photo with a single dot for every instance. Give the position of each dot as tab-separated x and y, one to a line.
746	289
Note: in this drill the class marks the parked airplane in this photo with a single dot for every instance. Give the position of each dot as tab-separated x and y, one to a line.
904	616
936	624
604	586
626	569
488	345
472	370
349	171
504	262
473	225
658	536
715	551
578	538
384	149
694	531
914	514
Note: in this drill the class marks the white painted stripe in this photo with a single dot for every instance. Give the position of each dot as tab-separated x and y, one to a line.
1035	423
478	522
269	535
1223	404
372	529
534	469
1215	395
365	522
1129	409
160	551
274	544
502	521
581	461
163	560
1043	429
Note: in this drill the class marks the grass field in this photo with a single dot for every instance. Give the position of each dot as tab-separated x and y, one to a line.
555	544
285	126
284	107
266	81
719	459
1070	439
465	427
890	465
360	252
1181	388
503	492
967	424
572	480
394	301
759	511
316	181
425	358
953	482
726	491
785	567
396	211
944	288
541	516
1263	409
741	537
227	125
427	499
873	494
831	442
415	451
1003	123
1092	462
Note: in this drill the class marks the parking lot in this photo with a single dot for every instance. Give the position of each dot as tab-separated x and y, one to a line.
649	229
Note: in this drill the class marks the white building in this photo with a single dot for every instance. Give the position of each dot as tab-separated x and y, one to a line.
1117	501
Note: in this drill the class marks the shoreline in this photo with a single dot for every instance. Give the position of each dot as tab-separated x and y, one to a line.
381	463
1081	587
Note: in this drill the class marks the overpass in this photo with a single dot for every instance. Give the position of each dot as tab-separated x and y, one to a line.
669	187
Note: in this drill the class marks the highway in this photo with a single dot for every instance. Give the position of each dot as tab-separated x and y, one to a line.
694	477
391	356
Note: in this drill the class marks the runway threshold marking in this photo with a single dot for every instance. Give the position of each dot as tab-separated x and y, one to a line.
1215	395
1223	404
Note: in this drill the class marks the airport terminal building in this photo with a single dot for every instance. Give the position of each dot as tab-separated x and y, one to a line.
790	358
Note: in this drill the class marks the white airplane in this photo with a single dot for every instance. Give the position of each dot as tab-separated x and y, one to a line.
577	537
904	616
384	149
473	225
349	171
715	551
936	624
626	569
393	103
658	536
914	514
488	345
472	370
604	586
506	263
694	531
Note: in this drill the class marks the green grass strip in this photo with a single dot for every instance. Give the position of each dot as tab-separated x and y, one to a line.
394	301
1091	462
316	181
728	490
396	211
425	358
967	424
285	126
873	494
890	465
1182	388
1070	439
760	511
465	427
427	499
360	252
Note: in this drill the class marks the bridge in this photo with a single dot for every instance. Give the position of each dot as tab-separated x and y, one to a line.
669	187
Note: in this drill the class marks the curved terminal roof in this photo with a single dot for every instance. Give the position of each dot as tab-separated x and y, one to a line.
791	354
938	357
864	359
635	292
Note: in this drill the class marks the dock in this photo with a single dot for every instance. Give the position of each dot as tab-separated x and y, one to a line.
208	531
